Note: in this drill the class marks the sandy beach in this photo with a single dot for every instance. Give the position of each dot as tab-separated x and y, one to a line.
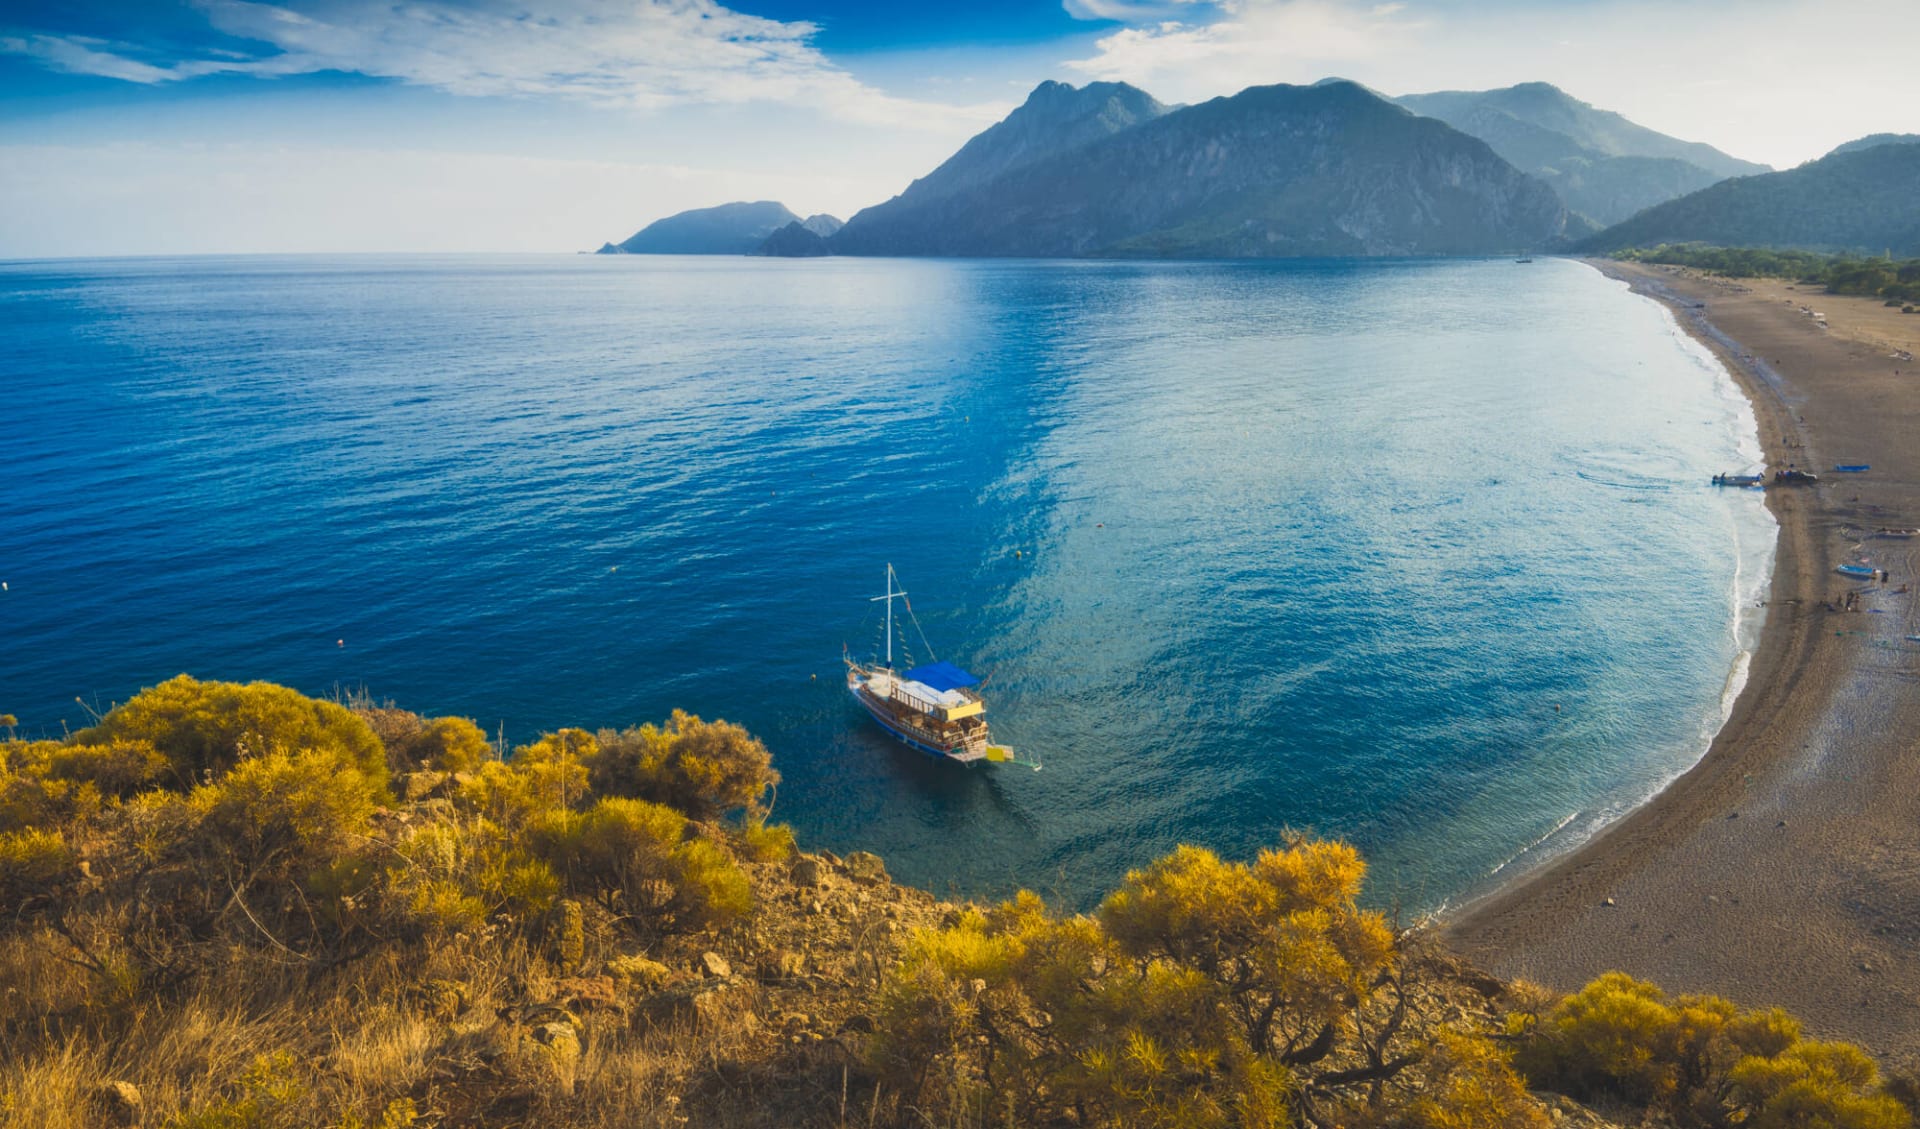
1785	867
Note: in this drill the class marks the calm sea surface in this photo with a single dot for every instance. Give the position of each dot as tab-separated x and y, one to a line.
1419	554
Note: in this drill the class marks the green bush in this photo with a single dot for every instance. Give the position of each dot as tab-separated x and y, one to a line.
448	878
548	775
48	782
703	768
451	744
631	856
203	729
767	842
1201	993
1468	1084
33	864
1839	274
1814	1085
286	813
1701	1059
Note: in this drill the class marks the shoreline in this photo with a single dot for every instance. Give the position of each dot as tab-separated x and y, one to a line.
1780	441
1775	869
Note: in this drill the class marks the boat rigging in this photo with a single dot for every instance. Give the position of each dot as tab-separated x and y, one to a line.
935	707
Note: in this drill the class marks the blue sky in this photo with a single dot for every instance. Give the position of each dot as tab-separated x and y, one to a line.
178	126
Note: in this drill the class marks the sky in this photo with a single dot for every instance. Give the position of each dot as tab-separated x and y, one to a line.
153	127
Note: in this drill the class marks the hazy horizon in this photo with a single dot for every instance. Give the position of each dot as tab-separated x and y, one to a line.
226	126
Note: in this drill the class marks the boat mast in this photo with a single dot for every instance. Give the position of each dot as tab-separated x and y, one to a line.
889	599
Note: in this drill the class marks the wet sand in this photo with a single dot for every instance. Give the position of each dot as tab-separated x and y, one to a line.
1785	867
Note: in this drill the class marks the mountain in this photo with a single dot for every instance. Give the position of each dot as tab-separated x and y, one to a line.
794	241
1604	166
1873	139
802	239
730	229
823	224
1855	200
1272	172
1056	118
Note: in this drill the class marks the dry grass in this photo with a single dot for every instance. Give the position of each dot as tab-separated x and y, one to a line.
463	1030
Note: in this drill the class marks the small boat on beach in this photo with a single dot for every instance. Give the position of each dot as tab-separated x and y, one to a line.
1858	572
936	707
1739	480
1792	477
1852	468
1895	531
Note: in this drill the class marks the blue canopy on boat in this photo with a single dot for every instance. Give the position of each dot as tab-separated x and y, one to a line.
942	676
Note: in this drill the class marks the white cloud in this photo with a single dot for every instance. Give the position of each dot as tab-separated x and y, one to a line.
647	54
77	54
143	198
1252	42
1128	11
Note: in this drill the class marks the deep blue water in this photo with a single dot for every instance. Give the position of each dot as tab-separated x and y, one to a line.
1414	553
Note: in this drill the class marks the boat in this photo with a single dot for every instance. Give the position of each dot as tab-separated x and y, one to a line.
1858	572
1739	480
1792	477
1852	468
1895	531
935	707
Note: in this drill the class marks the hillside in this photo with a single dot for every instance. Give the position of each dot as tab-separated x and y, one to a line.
1875	139
1272	172
1861	200
794	241
1604	166
729	229
801	239
234	907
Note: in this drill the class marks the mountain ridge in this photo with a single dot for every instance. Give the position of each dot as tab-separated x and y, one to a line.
725	229
1273	171
1603	165
1853	200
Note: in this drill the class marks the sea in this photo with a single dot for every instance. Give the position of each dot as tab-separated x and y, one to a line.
1418	554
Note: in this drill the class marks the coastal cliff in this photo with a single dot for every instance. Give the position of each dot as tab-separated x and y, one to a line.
236	906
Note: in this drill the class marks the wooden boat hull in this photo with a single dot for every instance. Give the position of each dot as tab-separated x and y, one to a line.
965	742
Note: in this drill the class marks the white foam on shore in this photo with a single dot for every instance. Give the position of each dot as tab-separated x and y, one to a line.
1555	830
1755	534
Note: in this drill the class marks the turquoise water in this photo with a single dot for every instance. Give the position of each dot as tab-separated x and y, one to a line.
1413	553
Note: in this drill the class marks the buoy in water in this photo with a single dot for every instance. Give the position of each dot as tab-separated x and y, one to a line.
339	642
